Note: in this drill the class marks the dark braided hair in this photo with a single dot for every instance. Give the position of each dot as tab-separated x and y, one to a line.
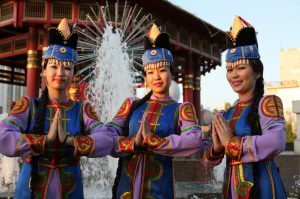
134	106
38	129
253	117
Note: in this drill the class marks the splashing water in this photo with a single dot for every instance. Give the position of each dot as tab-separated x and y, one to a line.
9	172
296	187
113	82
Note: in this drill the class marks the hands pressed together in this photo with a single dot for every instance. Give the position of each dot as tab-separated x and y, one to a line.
143	132
56	129
221	132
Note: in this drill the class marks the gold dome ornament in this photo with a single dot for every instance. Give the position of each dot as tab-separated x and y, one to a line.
73	91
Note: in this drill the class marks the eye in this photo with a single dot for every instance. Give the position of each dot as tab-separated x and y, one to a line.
68	68
53	66
229	70
149	72
162	69
241	67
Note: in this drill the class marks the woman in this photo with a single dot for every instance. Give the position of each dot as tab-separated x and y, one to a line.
52	132
153	130
252	131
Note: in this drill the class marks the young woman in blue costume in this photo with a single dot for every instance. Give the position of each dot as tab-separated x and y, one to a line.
153	130
50	133
252	131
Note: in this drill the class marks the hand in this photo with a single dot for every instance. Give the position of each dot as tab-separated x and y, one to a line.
62	136
51	136
223	129
145	126
138	140
217	144
143	131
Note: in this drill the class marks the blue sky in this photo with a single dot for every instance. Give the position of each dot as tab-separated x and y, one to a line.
278	26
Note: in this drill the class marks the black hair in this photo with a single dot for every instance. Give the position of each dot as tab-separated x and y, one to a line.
253	117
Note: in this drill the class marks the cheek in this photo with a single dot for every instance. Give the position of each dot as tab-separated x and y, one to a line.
148	79
227	76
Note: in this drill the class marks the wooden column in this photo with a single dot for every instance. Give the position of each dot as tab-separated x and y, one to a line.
197	86
188	79
45	45
33	66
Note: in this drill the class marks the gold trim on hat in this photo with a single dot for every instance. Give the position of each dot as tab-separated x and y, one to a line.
157	65
238	24
64	28
231	65
153	33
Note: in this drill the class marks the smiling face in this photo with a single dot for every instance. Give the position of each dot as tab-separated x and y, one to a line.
242	80
159	81
58	76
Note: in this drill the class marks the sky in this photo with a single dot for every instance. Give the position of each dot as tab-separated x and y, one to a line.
277	23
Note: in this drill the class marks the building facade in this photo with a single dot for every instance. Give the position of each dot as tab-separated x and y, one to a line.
288	88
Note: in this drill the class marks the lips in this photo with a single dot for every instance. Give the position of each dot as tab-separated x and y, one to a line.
59	80
158	84
236	83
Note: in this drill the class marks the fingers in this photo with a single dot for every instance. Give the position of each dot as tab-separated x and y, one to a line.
59	120
221	123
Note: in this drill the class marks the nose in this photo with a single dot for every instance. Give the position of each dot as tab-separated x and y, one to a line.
60	71
156	75
234	72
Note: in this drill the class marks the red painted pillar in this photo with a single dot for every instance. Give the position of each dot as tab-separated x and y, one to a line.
197	86
188	79
45	45
33	66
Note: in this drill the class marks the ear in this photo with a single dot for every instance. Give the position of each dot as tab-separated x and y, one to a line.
44	72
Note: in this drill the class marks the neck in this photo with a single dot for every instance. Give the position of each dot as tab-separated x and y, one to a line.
245	96
161	95
57	95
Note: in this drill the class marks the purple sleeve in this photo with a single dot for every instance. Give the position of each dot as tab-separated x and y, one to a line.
95	142
12	142
187	143
122	145
272	140
109	137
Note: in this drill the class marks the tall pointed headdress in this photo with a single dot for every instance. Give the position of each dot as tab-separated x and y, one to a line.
241	43
157	53
62	44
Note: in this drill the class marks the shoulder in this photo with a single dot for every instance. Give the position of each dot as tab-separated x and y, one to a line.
89	111
20	106
187	112
125	107
271	106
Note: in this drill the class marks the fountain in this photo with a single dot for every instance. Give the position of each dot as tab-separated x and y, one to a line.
111	52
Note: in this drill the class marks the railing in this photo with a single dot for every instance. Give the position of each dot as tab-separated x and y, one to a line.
35	9
282	83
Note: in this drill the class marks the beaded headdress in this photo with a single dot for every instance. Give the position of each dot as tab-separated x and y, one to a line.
157	53
62	45
241	43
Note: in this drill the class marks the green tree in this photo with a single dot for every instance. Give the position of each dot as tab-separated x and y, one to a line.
290	135
227	106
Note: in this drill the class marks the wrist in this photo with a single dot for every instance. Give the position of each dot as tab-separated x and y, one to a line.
216	151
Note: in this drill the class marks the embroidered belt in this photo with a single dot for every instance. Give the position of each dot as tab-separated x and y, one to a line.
234	162
52	163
